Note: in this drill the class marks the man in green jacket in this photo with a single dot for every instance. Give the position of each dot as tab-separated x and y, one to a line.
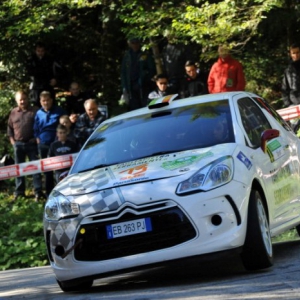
138	68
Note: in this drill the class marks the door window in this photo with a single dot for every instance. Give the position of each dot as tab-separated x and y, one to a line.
253	119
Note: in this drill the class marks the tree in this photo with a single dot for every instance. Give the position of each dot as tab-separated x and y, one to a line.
77	33
89	36
258	32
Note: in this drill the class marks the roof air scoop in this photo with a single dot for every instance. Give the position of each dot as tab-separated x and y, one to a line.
161	102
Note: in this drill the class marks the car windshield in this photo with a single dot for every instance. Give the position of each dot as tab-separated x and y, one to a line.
154	133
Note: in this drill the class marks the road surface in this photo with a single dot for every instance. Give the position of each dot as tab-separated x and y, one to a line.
213	280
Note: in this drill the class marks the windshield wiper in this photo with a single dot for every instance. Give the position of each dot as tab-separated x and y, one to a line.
158	153
95	167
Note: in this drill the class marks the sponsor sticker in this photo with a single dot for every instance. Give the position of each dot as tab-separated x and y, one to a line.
134	172
184	161
245	160
275	150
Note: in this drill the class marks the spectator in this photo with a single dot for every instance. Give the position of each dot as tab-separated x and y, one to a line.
45	123
291	78
226	74
21	136
162	87
88	121
41	69
194	82
137	70
174	57
65	120
75	101
61	146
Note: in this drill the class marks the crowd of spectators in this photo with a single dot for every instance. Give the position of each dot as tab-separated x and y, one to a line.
181	74
39	128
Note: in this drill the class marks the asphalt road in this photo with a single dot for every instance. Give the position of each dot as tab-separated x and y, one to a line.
216	280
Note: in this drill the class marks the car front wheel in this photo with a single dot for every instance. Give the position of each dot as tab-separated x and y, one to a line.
257	251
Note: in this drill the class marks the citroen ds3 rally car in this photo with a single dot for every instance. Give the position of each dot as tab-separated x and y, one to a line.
176	179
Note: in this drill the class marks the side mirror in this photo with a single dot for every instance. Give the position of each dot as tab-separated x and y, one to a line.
267	135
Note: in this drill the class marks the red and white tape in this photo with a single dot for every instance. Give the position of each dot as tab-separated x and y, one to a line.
37	166
289	113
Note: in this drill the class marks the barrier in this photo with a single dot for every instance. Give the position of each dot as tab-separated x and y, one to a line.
289	113
37	166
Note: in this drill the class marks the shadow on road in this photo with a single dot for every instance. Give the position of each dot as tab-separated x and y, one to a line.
194	271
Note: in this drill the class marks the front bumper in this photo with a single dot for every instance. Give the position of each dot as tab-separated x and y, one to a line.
185	226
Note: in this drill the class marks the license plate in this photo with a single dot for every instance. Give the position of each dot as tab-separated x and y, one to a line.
128	228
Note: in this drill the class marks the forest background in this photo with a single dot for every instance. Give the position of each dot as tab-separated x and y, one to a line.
89	38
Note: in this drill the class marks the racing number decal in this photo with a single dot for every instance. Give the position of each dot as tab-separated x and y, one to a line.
134	171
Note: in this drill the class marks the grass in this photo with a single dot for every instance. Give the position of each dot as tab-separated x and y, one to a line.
22	241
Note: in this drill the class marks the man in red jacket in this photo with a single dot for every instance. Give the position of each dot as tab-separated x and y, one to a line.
226	74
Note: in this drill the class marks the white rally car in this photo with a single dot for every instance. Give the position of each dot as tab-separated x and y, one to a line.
174	180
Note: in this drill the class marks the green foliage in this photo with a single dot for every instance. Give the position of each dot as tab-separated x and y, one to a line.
22	242
286	236
89	37
77	34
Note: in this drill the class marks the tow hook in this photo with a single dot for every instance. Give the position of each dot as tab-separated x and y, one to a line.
60	251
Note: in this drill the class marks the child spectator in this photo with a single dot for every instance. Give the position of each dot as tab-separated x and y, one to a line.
65	120
61	147
162	87
194	82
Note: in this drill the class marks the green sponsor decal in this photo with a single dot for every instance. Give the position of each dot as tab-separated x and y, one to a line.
272	146
184	161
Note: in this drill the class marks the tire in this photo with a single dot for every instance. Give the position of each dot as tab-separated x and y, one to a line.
257	250
67	287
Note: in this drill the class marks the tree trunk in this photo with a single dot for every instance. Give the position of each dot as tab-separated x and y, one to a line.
157	57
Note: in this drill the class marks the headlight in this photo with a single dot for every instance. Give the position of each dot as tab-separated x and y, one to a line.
58	206
209	177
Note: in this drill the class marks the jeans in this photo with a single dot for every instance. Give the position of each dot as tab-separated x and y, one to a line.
49	179
138	96
21	151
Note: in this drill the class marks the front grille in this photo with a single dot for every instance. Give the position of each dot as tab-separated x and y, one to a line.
170	227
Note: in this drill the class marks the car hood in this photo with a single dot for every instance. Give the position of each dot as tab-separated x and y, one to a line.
150	168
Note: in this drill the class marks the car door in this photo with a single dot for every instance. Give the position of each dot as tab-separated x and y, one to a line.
273	165
290	172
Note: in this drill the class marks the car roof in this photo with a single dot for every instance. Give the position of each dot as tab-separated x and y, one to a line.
181	103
